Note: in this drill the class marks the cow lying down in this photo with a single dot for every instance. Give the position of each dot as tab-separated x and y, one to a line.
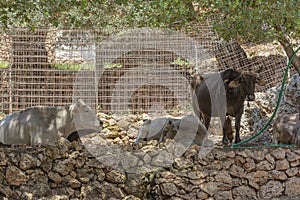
286	129
46	125
185	130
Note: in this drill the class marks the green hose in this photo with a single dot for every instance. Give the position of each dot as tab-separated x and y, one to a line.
275	111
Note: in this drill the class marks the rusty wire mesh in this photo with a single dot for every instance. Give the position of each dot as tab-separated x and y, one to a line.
137	70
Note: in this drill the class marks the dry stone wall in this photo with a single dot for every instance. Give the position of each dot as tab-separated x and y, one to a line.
69	171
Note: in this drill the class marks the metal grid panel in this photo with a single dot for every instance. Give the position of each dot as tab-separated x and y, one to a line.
138	70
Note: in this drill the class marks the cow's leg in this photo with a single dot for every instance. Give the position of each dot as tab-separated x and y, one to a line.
237	127
206	121
225	138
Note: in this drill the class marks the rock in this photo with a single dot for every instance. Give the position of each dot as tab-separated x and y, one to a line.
249	165
124	124
54	176
72	182
163	159
182	163
84	175
28	162
115	176
282	164
243	192
64	167
168	189
223	195
202	195
271	189
105	190
210	188
278	153
3	159
15	176
292	171
223	177
264	166
292	186
237	171
259	177
277	175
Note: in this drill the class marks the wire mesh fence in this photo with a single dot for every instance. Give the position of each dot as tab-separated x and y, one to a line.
137	70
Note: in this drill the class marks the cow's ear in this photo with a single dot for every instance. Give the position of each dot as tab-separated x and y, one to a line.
74	109
233	84
260	82
194	83
80	102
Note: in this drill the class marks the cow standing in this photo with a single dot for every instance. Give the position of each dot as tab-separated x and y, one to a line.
224	93
45	125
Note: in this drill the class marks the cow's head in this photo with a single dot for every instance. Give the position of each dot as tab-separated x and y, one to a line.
84	117
247	81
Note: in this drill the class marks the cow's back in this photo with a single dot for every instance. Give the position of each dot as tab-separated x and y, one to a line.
34	125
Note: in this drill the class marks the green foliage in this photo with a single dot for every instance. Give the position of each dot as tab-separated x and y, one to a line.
255	21
4	64
245	20
180	62
73	66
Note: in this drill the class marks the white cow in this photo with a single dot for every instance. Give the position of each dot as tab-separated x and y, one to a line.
286	129
45	125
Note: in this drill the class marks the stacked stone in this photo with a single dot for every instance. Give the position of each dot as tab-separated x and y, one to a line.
241	174
64	171
68	170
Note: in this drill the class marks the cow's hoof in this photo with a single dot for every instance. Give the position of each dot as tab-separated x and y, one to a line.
237	141
225	141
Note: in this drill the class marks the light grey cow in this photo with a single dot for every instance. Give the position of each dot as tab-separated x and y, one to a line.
185	130
286	129
45	125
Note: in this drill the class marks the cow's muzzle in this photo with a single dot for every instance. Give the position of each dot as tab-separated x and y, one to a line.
250	97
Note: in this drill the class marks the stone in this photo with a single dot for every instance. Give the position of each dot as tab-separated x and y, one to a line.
210	188
243	192
259	177
28	162
264	166
237	171
168	189
202	195
223	177
292	186
64	167
104	190
282	165
15	176
115	176
271	189
163	159
292	171
277	175
292	157
84	175
270	159
295	163
249	165
54	176
3	159
258	156
182	163
278	153
72	182
224	195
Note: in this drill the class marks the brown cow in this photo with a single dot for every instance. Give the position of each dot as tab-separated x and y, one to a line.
224	93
